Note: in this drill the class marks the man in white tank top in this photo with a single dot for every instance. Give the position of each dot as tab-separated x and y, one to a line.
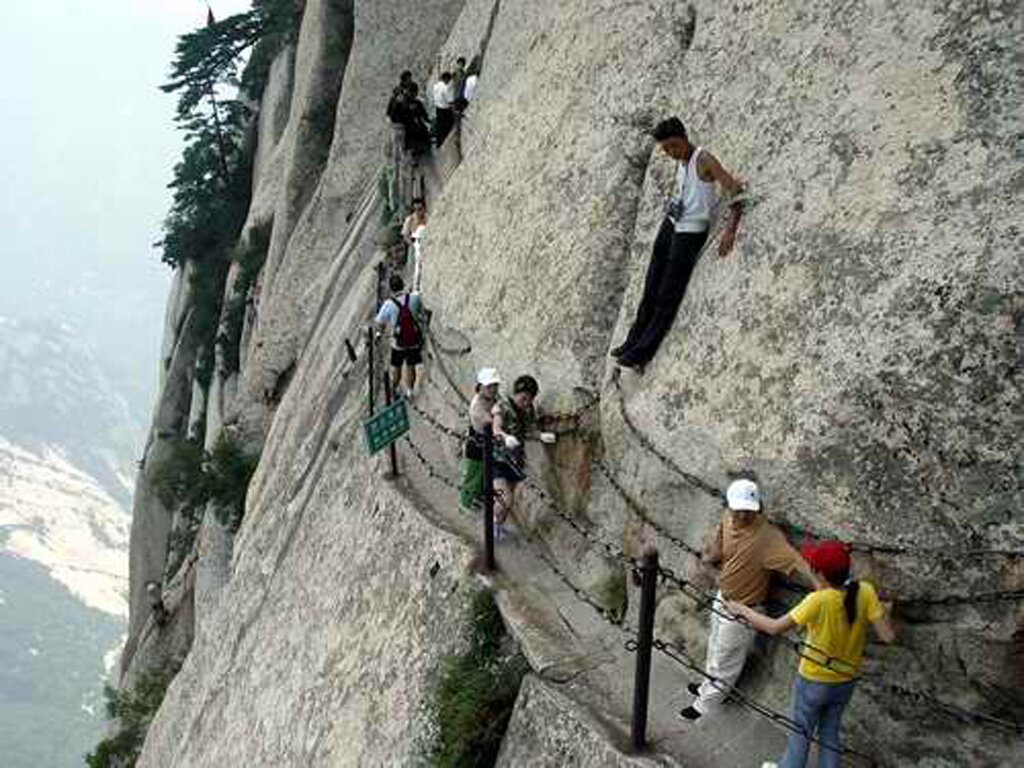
680	240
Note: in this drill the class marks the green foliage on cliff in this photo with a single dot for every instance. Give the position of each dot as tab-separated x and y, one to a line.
133	710
189	478
212	182
473	692
250	259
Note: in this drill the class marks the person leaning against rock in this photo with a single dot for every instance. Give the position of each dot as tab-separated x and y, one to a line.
749	549
836	617
480	415
679	242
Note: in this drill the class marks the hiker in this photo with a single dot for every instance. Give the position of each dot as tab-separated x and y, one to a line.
514	419
156	603
679	242
408	110
459	102
396	104
749	548
836	617
459	77
403	313
480	415
469	91
444	117
413	231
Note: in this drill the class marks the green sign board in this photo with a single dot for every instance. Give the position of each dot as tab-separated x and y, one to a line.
385	426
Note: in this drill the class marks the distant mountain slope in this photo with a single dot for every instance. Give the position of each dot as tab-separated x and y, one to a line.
51	707
68	443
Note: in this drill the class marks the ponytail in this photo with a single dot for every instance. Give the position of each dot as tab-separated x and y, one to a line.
851	589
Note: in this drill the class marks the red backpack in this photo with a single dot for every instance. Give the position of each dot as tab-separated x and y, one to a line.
407	330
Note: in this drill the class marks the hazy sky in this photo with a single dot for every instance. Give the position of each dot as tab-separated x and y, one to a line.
88	145
88	139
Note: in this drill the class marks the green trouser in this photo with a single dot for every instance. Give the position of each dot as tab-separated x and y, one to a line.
472	481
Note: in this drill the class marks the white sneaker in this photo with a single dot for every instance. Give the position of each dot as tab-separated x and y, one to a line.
769	764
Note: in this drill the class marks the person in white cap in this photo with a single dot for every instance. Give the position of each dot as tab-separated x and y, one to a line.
480	410
749	549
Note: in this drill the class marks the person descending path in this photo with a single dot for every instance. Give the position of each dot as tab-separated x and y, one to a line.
836	617
414	230
444	101
749	548
402	312
514	420
407	110
480	415
679	241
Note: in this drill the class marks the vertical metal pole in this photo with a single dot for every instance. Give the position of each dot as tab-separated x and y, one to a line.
642	684
369	358
488	497
387	399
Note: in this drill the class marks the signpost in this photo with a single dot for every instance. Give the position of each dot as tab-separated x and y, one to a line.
385	426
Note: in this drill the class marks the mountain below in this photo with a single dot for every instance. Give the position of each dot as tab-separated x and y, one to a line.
68	442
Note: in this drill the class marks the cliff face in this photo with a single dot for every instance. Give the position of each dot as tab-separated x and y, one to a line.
858	351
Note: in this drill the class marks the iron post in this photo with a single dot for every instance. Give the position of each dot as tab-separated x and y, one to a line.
488	498
642	684
387	400
369	358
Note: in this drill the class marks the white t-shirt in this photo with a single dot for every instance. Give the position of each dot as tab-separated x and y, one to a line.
469	90
444	95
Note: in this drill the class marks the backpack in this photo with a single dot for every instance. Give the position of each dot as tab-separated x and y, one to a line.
407	330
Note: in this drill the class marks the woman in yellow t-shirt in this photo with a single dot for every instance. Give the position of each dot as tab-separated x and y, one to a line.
836	617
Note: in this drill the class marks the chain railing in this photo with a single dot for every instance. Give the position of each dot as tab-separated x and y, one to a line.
712	491
705	600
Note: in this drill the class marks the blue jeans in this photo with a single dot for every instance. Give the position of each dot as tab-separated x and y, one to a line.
816	707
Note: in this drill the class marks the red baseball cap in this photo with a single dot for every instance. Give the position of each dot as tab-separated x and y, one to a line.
828	557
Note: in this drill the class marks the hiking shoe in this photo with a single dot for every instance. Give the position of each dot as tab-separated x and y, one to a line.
693	688
690	713
637	368
617	351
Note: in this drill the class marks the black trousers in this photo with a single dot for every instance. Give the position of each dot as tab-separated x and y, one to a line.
443	123
672	262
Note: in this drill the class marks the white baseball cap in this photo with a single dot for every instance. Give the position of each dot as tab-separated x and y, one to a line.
487	376
743	495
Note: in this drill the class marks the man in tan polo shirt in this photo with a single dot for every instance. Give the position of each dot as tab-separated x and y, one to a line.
749	548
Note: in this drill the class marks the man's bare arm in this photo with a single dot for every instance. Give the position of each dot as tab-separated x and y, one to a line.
713	546
711	170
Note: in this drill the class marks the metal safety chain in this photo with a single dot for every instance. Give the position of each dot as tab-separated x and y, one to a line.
682	658
712	491
705	600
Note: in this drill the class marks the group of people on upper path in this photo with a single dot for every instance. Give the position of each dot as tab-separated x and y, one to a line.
451	95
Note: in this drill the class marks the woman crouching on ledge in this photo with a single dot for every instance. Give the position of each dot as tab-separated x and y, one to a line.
836	617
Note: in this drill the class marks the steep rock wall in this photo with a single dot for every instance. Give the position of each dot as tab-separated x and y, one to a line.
856	351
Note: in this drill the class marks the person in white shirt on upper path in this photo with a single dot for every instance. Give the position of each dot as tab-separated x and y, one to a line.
444	100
